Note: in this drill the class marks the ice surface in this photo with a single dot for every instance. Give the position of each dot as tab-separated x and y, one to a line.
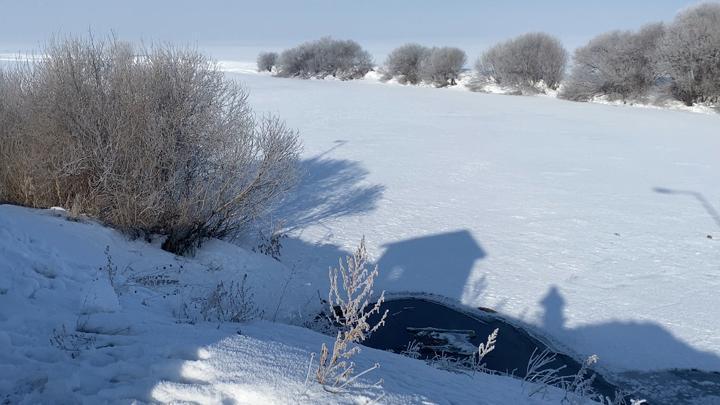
502	201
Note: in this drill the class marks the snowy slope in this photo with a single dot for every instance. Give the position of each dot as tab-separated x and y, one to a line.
598	224
131	343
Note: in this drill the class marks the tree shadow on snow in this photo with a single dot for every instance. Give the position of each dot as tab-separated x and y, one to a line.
328	189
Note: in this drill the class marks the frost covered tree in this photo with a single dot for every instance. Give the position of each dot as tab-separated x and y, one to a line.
620	64
344	59
442	66
524	62
266	61
404	63
689	53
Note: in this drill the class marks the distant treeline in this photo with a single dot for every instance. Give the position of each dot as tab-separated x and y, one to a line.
681	58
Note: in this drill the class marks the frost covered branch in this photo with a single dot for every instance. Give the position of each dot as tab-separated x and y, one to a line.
351	288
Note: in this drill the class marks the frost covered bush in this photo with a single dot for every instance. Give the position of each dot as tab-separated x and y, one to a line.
343	59
351	289
619	64
689	53
525	62
442	66
266	61
414	63
404	63
147	140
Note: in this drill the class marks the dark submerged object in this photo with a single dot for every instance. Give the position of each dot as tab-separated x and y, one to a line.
440	330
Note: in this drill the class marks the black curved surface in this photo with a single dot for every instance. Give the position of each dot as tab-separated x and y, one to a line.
513	349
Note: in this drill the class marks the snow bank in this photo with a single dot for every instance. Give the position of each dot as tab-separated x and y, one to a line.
68	335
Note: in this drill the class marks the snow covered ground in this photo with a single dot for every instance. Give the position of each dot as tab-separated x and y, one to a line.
68	336
598	224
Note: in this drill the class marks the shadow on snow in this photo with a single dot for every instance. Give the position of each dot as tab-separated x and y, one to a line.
328	189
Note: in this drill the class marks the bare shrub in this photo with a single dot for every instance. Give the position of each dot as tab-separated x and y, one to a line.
147	140
525	62
14	186
266	61
350	308
412	350
404	63
270	243
580	386
688	53
442	66
73	343
619	64
343	59
110	269
540	374
234	303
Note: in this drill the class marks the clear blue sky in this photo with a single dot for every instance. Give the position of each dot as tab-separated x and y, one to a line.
281	22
